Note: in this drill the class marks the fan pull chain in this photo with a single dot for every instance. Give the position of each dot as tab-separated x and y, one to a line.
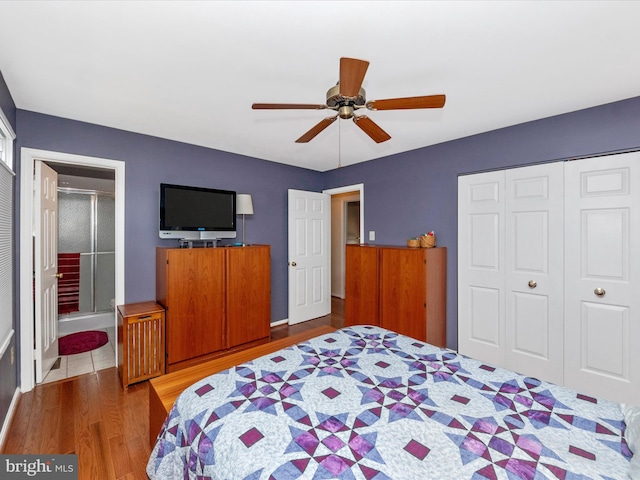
339	144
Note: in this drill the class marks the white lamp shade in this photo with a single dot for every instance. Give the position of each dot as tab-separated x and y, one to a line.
244	204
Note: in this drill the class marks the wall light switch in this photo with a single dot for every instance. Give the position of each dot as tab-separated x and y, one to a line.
372	235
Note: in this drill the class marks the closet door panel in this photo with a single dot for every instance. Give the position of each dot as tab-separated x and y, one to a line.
602	308
484	310
605	238
534	271
530	327
481	264
609	323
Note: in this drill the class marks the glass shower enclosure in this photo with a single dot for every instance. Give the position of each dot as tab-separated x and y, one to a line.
86	234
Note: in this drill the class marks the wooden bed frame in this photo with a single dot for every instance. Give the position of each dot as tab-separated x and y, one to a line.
164	390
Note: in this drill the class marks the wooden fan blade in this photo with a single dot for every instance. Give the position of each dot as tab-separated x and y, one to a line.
287	106
352	73
371	128
316	129
429	101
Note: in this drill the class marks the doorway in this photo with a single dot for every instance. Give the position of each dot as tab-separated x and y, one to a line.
347	226
29	157
86	248
336	224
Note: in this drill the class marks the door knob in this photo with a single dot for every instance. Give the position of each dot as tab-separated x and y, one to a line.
59	275
293	264
532	284
599	292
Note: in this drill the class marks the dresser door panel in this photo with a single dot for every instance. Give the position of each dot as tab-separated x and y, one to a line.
195	303
362	293
403	291
248	294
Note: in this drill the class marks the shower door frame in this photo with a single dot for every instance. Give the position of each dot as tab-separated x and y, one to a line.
95	194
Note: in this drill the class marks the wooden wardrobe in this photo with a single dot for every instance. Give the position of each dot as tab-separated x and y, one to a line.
399	288
216	300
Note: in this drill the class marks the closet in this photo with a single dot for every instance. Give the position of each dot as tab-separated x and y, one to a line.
547	275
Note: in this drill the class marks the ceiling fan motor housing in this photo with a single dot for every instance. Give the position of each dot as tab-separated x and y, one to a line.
344	105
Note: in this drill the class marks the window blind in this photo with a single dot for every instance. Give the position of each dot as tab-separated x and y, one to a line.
6	256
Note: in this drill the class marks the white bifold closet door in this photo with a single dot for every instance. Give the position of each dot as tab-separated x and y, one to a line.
602	284
510	230
481	267
548	280
534	278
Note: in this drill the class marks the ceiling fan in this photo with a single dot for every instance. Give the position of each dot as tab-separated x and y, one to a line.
348	96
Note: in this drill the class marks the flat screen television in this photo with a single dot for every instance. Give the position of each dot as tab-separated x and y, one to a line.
195	213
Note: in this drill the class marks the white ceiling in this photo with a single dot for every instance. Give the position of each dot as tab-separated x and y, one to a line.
189	71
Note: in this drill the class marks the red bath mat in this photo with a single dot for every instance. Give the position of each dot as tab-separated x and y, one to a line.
81	342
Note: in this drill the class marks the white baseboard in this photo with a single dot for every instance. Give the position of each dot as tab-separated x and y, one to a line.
279	322
7	420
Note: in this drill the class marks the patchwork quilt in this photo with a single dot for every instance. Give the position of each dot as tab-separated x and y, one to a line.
368	403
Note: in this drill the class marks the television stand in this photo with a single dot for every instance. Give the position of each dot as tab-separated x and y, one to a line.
212	243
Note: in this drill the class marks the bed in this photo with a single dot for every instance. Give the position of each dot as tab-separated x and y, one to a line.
365	402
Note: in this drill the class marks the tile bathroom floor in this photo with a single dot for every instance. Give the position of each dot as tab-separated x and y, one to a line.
87	362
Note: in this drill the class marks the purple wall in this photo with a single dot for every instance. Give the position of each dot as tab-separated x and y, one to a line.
150	161
405	194
7	104
410	193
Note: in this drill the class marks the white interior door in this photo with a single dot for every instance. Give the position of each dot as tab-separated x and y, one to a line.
602	272
309	255
46	268
534	271
481	267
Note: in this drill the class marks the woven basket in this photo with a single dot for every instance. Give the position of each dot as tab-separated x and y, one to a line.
413	242
428	241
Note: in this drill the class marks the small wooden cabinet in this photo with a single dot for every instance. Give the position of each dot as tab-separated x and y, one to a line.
216	300
399	288
141	337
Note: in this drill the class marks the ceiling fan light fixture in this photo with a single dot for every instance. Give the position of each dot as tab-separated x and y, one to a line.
345	112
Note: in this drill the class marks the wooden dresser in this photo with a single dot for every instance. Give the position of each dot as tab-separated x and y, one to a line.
399	288
216	300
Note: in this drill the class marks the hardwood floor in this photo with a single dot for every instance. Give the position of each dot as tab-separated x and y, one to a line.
334	319
89	415
92	416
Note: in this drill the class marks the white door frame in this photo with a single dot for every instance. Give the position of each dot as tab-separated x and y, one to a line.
348	189
27	158
356	190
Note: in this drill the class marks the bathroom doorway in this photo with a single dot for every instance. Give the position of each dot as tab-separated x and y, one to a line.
28	206
86	248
